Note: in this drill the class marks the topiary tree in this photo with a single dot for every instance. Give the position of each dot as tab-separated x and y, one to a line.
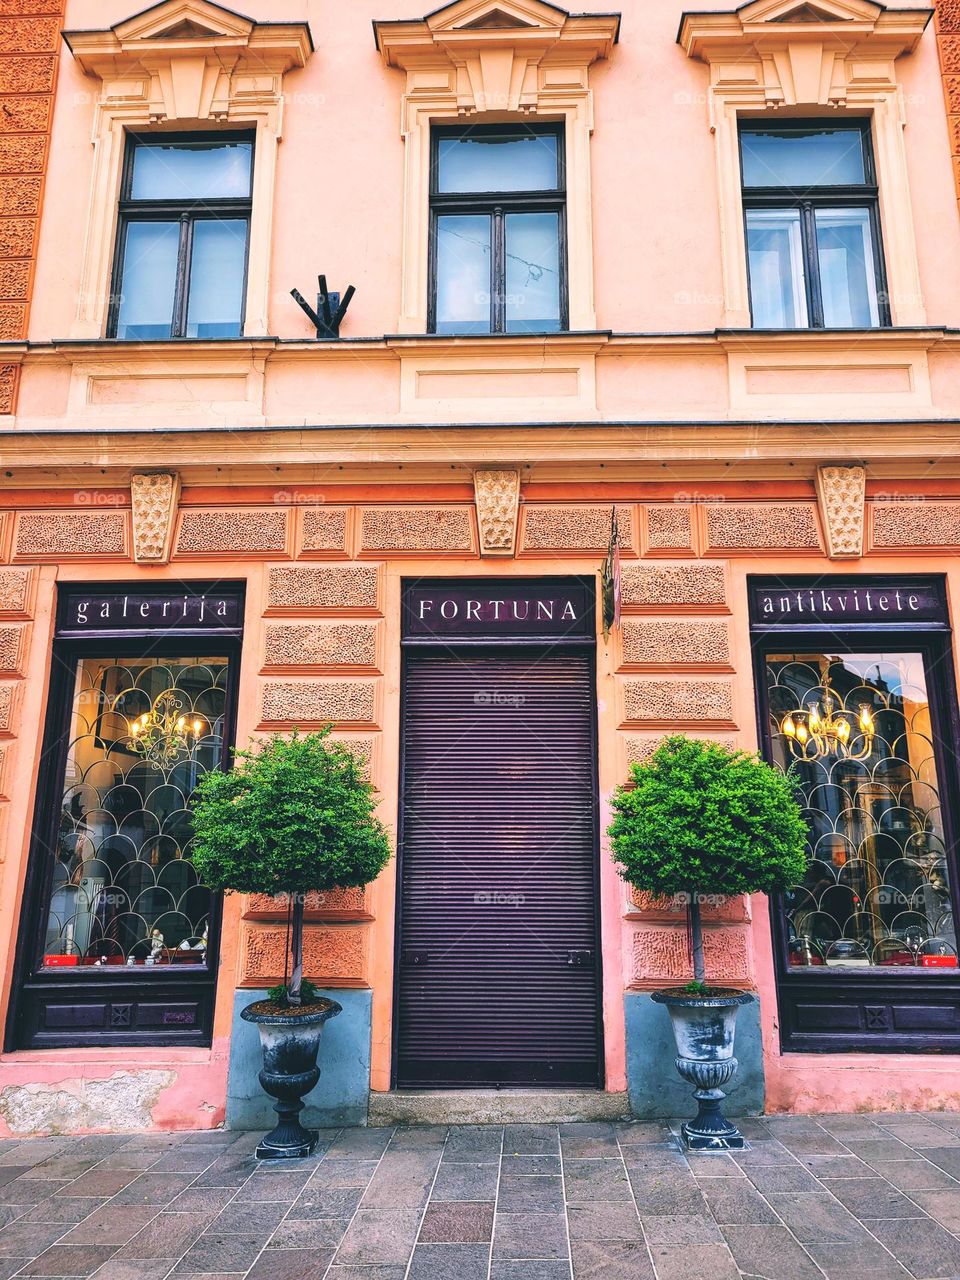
293	815
698	818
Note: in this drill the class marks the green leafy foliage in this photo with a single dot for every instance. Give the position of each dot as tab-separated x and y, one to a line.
279	995
294	814
701	819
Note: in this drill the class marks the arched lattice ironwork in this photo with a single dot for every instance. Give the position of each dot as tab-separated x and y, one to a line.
124	889
877	886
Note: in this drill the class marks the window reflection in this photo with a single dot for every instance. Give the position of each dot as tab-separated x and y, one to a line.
877	886
124	890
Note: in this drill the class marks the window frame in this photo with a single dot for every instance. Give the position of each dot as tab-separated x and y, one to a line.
801	989
497	205
188	214
865	195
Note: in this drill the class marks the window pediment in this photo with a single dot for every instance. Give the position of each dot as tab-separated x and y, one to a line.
854	28
189	59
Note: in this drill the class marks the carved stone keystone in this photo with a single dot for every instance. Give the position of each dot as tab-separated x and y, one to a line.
497	495
153	497
840	494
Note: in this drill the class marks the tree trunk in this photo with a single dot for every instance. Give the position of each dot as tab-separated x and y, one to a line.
296	947
696	935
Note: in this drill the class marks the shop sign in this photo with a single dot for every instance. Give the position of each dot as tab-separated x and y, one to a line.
500	608
865	603
90	609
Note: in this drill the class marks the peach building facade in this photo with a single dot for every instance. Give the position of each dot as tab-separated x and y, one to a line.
721	319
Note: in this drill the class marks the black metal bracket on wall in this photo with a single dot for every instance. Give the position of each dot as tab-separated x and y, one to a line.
331	309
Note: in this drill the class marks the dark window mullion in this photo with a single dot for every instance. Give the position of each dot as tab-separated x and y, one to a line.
498	274
811	263
181	292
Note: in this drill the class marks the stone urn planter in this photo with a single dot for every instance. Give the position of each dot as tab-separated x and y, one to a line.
704	1028
290	1040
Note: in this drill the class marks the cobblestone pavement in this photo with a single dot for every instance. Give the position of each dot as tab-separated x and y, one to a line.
841	1197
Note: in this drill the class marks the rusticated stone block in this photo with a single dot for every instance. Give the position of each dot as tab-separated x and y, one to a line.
417	529
29	35
14	275
336	956
638	749
675	642
322	644
332	904
670	528
16	237
15	588
663	585
19	194
916	524
12	321
951	87
205	533
303	588
685	701
24	154
575	528
324	529
319	702
949	46
27	75
787	526
948	15
712	907
661	954
51	534
4	753
9	698
9	376
25	114
13	649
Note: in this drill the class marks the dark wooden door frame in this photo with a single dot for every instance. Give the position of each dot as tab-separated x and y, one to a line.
934	642
46	815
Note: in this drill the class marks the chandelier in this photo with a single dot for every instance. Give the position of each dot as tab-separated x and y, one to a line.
824	729
164	734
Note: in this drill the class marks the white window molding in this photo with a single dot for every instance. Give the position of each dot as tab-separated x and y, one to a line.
822	58
497	60
182	65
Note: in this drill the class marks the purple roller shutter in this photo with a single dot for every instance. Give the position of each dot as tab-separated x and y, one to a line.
498	964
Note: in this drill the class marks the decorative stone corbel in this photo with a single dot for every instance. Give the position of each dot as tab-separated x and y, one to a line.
154	496
497	495
840	495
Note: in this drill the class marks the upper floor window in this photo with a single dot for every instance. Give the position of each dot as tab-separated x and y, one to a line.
181	260
812	226
497	230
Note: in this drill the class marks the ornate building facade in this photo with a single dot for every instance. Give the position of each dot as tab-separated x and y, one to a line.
712	319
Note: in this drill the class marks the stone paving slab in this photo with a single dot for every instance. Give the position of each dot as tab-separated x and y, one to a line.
861	1197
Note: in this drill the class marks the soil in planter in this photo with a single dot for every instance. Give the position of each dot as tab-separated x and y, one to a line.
267	1008
702	993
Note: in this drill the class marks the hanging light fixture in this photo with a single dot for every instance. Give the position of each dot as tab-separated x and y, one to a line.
163	735
826	729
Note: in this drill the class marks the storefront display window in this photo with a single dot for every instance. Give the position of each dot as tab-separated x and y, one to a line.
118	937
855	729
124	890
857	699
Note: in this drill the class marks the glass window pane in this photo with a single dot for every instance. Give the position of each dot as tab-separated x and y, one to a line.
801	158
124	890
463	274
775	256
877	887
533	272
508	161
215	303
848	282
191	171
149	280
